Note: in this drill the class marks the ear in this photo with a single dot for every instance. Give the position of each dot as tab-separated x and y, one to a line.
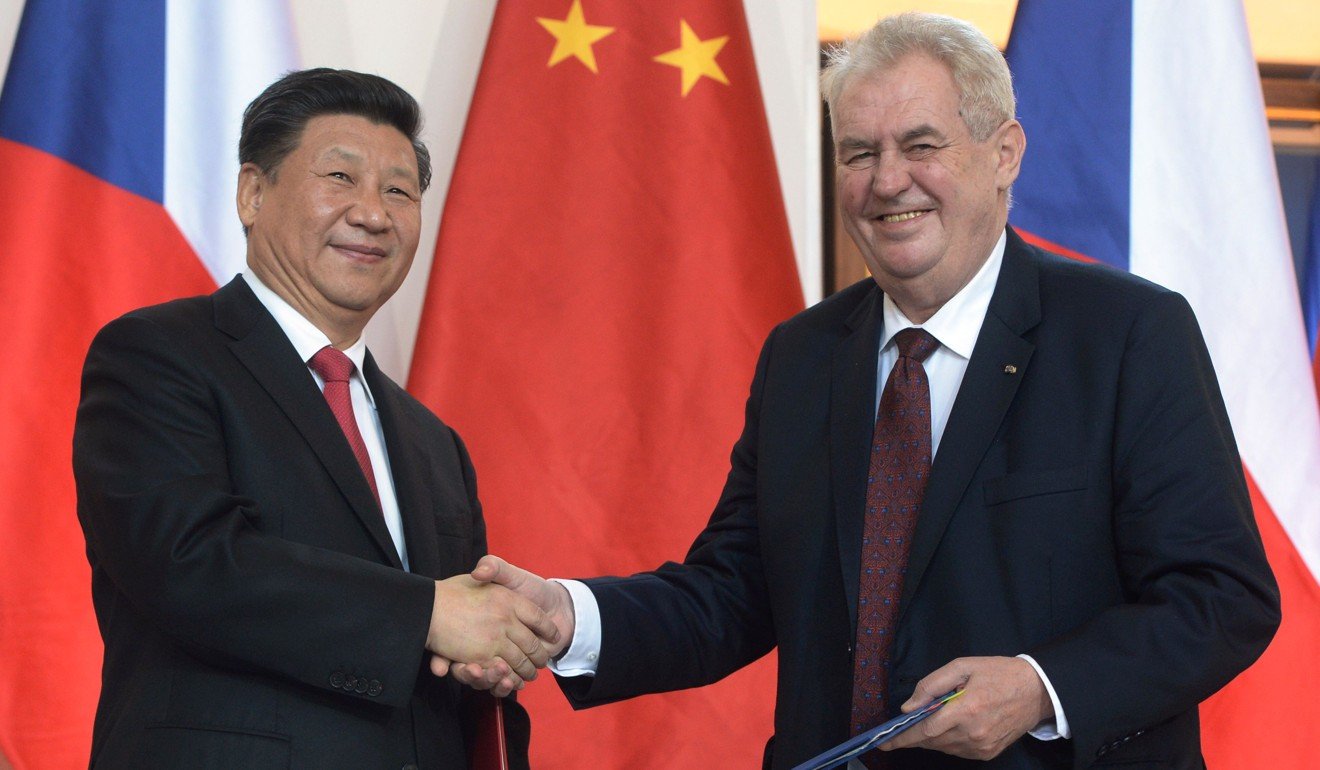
251	187
1011	143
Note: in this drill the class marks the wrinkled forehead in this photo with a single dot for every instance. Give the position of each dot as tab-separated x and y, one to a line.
916	92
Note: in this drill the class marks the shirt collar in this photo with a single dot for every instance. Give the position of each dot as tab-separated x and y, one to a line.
957	323
306	338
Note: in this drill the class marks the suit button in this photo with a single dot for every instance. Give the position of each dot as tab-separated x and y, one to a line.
337	680
350	682
375	688
361	685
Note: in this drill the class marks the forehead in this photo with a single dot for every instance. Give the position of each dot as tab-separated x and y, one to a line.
915	91
354	137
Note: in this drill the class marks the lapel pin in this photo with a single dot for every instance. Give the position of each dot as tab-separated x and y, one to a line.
1010	369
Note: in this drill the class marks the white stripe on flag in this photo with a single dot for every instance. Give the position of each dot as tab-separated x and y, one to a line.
218	57
1207	221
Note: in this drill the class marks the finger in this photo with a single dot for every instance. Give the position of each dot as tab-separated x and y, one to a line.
496	677
439	665
537	620
530	644
507	685
470	675
931	732
948	677
518	660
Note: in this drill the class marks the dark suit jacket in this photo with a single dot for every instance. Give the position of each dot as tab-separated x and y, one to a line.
1088	509
254	609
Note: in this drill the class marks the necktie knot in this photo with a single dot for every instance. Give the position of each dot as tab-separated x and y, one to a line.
916	344
331	364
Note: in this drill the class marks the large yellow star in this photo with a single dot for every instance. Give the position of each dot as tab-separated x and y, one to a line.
574	36
696	57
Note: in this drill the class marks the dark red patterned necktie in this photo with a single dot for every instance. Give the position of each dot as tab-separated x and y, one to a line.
335	367
896	484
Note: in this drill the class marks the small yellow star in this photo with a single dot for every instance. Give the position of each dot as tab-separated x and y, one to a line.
696	57
574	36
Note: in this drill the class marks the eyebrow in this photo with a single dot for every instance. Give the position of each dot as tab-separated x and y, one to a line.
340	152
919	132
923	130
851	143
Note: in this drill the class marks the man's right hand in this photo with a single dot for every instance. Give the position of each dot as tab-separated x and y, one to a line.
486	623
552	598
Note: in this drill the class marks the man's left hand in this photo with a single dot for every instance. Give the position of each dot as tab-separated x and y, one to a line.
1003	698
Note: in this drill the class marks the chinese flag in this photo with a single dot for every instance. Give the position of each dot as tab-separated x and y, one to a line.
613	251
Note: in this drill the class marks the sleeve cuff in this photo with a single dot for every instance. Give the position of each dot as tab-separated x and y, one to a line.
1058	727
583	655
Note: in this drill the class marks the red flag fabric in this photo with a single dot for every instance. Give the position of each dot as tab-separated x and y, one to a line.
612	252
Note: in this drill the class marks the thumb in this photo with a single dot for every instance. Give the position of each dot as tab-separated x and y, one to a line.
951	676
439	665
489	569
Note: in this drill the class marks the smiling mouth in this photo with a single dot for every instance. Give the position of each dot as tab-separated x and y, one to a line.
905	216
361	252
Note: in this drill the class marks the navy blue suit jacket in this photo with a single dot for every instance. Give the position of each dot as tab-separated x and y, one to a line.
1087	507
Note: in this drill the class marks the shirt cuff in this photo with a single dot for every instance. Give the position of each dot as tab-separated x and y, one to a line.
582	656
1049	729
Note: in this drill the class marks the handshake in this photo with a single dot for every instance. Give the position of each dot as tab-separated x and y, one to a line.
492	629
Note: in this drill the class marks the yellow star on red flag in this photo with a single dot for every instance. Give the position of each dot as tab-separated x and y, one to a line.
574	37
695	57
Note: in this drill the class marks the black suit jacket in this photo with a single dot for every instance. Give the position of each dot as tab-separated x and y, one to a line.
253	606
1086	506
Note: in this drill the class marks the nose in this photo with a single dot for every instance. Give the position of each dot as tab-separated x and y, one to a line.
368	211
890	176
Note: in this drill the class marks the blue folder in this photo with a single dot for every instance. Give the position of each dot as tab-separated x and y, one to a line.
864	742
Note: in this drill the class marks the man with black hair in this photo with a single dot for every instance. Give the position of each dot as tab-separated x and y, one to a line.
278	533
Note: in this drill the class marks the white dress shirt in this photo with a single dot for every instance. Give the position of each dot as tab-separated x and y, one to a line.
307	340
956	325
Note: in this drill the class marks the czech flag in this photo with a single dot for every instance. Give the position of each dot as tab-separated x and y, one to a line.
1311	284
1148	149
118	135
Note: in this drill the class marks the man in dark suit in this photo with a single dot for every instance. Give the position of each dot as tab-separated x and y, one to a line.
1046	511
270	562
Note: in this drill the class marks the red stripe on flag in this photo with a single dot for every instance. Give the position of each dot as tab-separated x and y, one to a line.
78	252
1315	373
1036	240
1250	722
612	253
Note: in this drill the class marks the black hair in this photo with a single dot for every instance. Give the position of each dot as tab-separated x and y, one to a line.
273	123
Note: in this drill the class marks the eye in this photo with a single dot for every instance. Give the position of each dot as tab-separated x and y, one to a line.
340	175
921	149
861	159
399	191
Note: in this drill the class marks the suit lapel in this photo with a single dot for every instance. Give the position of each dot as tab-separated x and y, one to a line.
983	399
407	456
261	346
852	423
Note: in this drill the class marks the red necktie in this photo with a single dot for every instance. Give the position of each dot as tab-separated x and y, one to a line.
896	484
335	367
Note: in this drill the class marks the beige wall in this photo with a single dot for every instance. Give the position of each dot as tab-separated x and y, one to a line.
1282	31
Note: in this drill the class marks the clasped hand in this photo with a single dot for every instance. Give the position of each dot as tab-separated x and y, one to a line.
500	624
